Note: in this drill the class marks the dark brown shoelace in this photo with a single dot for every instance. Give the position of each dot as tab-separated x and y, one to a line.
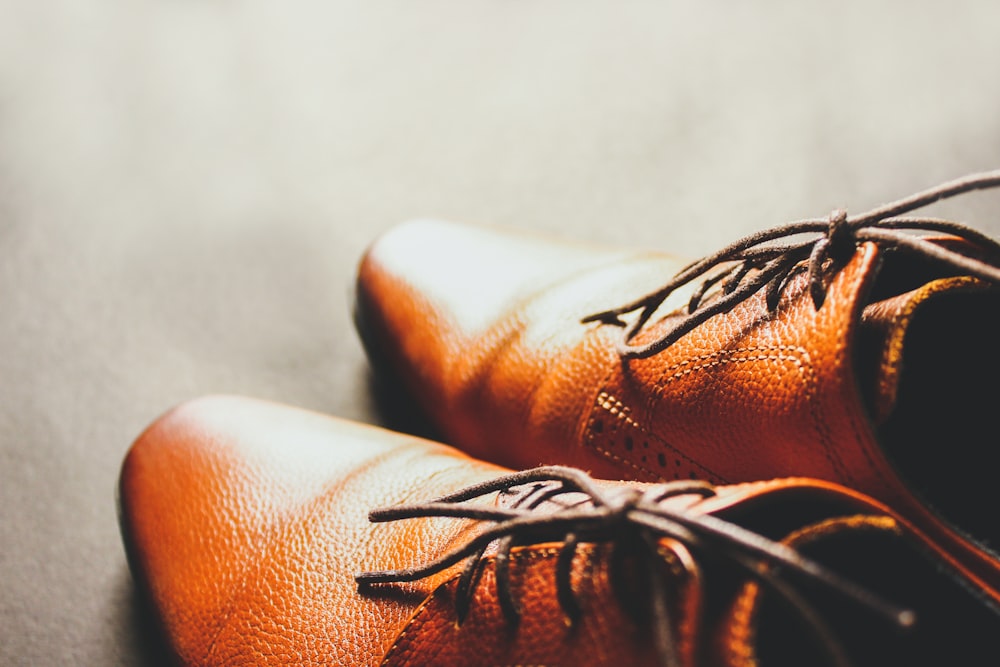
630	519
761	261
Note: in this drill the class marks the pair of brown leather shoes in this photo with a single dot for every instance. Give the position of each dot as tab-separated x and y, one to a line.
801	440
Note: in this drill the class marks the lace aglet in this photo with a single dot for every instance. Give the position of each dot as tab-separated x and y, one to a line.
377	515
371	577
906	619
903	618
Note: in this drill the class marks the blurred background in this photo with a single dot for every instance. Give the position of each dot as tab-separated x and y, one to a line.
186	187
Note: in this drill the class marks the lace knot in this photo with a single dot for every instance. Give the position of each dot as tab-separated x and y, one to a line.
634	522
761	262
620	505
839	235
838	244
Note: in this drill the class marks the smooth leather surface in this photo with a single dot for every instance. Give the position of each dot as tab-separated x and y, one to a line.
245	522
748	395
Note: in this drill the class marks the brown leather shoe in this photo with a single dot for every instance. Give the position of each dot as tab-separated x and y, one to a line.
857	354
248	525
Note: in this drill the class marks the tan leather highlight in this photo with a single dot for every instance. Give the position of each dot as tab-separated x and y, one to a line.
492	388
749	394
246	521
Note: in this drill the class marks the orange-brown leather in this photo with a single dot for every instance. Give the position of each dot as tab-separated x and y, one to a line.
543	637
246	521
506	371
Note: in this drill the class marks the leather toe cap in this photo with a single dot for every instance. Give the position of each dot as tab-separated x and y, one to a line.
246	521
464	277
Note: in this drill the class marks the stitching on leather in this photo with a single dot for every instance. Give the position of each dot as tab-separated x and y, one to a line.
415	622
585	431
419	617
714	359
626	462
602	398
730	356
620	411
872	467
765	354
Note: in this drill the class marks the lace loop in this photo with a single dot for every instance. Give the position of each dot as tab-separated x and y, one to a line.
761	263
839	235
634	521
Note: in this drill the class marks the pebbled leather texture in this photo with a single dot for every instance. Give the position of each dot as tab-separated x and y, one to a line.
246	521
749	394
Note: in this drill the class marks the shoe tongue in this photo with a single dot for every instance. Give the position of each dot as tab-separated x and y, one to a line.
919	312
953	625
927	360
883	330
887	327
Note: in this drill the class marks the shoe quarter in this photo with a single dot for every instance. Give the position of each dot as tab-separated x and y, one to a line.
749	394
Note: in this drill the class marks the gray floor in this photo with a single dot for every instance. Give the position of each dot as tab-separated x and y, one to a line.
186	187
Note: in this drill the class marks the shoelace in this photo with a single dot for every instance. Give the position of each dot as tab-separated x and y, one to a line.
634	520
760	261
